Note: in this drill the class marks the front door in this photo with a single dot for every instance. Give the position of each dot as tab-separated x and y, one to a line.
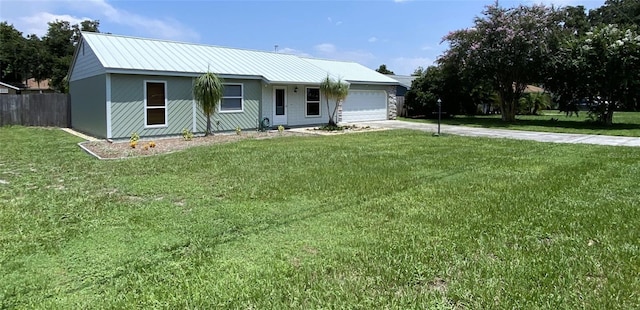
280	106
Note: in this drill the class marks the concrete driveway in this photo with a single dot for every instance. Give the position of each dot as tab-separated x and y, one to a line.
508	134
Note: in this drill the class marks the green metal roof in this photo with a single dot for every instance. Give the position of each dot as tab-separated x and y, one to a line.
351	71
121	54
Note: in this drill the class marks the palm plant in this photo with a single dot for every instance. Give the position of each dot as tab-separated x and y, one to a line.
208	91
534	102
326	88
336	90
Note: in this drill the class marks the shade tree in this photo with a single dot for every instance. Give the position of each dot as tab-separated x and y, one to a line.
506	47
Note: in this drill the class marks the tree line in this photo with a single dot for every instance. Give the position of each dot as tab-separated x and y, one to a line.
574	54
47	57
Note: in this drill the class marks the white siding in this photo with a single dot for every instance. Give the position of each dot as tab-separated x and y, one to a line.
296	101
267	102
86	64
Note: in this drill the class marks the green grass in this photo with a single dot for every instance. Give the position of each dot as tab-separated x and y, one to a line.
395	219
625	123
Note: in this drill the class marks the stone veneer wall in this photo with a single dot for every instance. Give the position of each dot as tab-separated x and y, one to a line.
393	108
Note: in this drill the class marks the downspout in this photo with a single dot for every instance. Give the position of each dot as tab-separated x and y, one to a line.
108	105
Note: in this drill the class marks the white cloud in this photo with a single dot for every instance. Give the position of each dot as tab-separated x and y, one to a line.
330	20
37	23
427	47
32	18
292	51
372	39
330	51
163	28
326	48
407	65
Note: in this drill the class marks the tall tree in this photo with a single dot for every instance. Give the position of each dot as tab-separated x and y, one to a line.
609	57
60	41
84	26
620	12
383	69
208	91
562	73
13	66
419	71
507	47
38	60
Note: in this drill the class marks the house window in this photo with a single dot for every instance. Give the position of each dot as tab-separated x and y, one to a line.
231	98
155	104
313	102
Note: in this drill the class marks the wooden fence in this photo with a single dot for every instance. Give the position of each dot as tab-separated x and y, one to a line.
53	110
400	108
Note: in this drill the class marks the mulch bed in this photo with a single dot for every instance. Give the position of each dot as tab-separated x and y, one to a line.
121	149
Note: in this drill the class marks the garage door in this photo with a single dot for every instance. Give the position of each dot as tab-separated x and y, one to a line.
365	105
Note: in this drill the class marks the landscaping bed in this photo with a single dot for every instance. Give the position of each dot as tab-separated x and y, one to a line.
104	149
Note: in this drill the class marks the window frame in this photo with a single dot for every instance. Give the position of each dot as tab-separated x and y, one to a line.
241	97
147	107
306	103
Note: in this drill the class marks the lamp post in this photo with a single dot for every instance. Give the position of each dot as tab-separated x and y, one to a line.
439	114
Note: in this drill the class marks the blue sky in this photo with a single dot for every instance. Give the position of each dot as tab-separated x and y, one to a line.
403	34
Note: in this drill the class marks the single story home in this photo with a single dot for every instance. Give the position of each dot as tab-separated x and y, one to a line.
120	85
9	89
31	86
37	87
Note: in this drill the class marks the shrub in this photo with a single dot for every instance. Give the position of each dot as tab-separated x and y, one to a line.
187	135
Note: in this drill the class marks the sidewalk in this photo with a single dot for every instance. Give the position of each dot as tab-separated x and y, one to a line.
509	134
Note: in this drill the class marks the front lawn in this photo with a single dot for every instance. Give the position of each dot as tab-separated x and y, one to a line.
393	219
624	123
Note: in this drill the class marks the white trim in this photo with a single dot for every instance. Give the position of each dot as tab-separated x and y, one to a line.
285	116
194	107
165	107
182	74
306	115
9	86
241	97
108	103
237	76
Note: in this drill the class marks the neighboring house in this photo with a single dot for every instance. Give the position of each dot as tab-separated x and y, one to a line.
533	89
35	87
120	85
8	89
31	87
404	84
